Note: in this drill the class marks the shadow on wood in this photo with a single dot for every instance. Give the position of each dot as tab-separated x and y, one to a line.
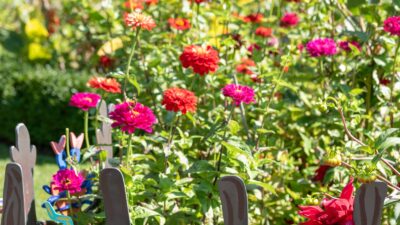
112	187
368	203
234	200
103	135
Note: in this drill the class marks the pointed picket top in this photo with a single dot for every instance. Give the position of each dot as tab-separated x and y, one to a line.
112	186
103	135
368	203
233	196
13	193
25	155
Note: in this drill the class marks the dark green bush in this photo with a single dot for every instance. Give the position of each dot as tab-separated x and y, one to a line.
37	96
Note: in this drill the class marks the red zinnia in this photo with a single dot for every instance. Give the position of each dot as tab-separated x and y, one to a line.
253	18
198	1
289	20
133	4
138	19
105	61
201	60
177	99
253	47
179	23
243	67
264	32
337	211
151	2
107	84
320	173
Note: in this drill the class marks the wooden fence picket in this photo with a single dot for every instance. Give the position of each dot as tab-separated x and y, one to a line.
368	203
103	134
112	186
233	196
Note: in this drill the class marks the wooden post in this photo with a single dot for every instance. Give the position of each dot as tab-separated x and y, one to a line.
25	155
13	193
103	135
368	203
233	196
112	186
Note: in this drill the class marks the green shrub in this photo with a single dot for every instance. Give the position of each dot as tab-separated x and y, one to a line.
37	96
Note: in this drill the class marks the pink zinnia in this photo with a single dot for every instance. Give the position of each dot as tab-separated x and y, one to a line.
321	47
84	100
132	115
345	45
392	25
68	180
336	211
239	93
289	20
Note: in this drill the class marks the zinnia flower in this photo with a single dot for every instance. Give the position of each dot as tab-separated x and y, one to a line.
130	115
253	18
243	67
321	172
264	32
321	47
345	45
138	19
253	47
239	93
105	61
177	99
151	2
337	211
289	20
179	23
198	1
68	180
133	4
84	100
107	84
392	25
201	60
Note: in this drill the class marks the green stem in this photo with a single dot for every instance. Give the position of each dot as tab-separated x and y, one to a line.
221	149
392	84
71	211
129	152
128	66
86	129
67	142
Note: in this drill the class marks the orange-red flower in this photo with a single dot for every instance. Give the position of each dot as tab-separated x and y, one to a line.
179	23
177	99
133	4
253	18
264	31
107	84
151	2
243	67
201	60
138	19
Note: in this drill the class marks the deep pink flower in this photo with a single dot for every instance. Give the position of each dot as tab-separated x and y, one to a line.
131	115
253	47
321	47
345	45
392	25
289	20
84	100
68	180
337	211
239	93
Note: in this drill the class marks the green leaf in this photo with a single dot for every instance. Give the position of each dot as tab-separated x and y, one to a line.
266	186
389	142
234	127
134	82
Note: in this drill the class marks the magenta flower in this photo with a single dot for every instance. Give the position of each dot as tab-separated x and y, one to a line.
321	47
132	115
239	93
84	100
289	20
345	45
392	25
68	180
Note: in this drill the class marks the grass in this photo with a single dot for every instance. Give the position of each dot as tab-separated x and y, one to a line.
44	169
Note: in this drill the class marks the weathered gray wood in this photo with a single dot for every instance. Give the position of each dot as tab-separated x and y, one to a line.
13	193
103	135
368	203
25	155
234	200
112	186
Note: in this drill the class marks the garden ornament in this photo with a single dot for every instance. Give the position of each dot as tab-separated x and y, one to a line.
103	134
64	220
